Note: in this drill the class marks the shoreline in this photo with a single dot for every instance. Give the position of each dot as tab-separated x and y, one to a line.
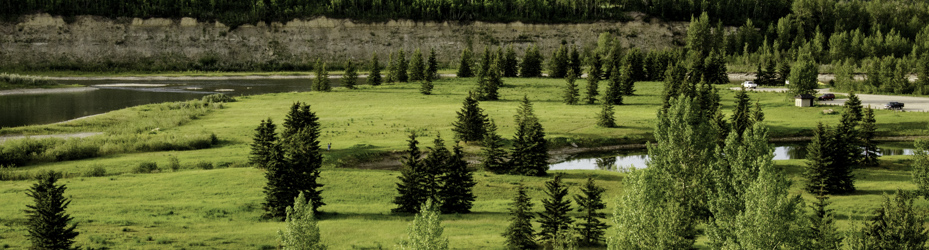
45	91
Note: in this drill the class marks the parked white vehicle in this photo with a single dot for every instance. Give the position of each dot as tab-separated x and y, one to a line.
749	85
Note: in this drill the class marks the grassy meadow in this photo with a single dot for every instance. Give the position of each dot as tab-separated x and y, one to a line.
193	207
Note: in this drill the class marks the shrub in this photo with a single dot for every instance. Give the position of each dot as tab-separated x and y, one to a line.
146	167
217	98
205	165
96	171
74	149
173	163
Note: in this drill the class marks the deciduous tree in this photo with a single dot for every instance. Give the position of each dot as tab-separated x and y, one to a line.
300	231
425	233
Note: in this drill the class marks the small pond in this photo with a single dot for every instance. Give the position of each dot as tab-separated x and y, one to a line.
109	95
625	160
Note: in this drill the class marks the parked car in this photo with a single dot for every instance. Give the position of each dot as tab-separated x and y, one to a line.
749	85
826	97
894	105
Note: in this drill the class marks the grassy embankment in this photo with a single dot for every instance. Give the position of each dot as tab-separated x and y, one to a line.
15	81
194	208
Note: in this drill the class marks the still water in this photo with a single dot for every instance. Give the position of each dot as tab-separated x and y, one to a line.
109	95
627	159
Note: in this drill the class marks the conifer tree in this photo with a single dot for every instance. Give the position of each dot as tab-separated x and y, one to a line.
519	234
432	66
574	62
426	230
757	114
741	116
606	116
464	65
921	168
301	230
470	125
614	91
867	133
417	66
532	63
411	191
402	66
823	233
627	82
321	82
589	202
433	167
556	205
897	224
263	143
426	87
457	184
391	68
530	149
374	78
715	69
300	144
48	224
819	159
489	81
278	191
492	153
853	108
486	60
510	63
593	80
558	66
350	78
571	93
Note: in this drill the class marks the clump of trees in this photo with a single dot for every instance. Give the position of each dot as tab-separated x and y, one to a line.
557	227
441	176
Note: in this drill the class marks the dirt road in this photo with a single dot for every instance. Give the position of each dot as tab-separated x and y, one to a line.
910	103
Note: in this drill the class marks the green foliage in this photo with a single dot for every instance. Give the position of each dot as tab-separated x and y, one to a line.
173	163
823	233
593	80
803	76
350	77
741	116
519	234
417	66
589	202
626	82
647	217
432	66
411	191
492	154
571	93
510	64
560	62
574	62
402	67
434	166
392	70
457	184
426	87
8	80
293	162
465	63
614	90
374	78
471	122
425	233
489	78
920	167
300	231
897	224
532	63
48	224
263	143
530	149
321	80
867	132
606	117
146	168
220	97
96	171
699	35
556	205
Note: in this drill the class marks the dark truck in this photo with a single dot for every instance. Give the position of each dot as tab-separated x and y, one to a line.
894	105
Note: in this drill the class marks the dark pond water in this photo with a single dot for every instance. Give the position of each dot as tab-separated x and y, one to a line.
627	159
109	95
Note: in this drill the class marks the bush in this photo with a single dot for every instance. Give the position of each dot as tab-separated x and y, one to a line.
19	152
96	171
217	98
146	167
23	81
173	163
205	165
74	149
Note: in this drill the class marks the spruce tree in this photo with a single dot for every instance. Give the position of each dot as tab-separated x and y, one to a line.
464	65
321	82
854	108
571	93
374	78
530	149
593	80
426	87
715	69
486	60
263	143
302	156
492	153
757	114
470	125
867	133
432	66
402	67
589	202
627	82
411	191
301	230
614	91
48	224
606	116
433	167
391	68
556	205
510	63
819	159
920	168
823	233
279	192
558	66
426	230
417	66
489	81
897	224
741	116
532	63
457	184
351	77
519	234
574	62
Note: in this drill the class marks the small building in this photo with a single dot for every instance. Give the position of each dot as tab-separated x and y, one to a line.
804	100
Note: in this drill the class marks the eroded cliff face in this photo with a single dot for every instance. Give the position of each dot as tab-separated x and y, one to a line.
95	43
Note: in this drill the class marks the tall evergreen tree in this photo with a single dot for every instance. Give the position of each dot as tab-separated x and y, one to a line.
301	230
627	82
897	224
374	78
486	60
519	234
432	66
558	66
321	82
470	125
279	192
510	63
391	68
48	224
574	62
867	133
606	117
556	205
433	166
819	158
589	202
757	114
593	80
417	66
489	81
530	149
350	78
263	143
402	66
853	108
464	65
411	191
571	93
823	233
300	145
426	230
457	184
532	63
715	69
614	91
426	87
741	116
492	153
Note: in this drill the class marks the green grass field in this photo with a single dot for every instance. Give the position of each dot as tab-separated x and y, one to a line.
219	208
